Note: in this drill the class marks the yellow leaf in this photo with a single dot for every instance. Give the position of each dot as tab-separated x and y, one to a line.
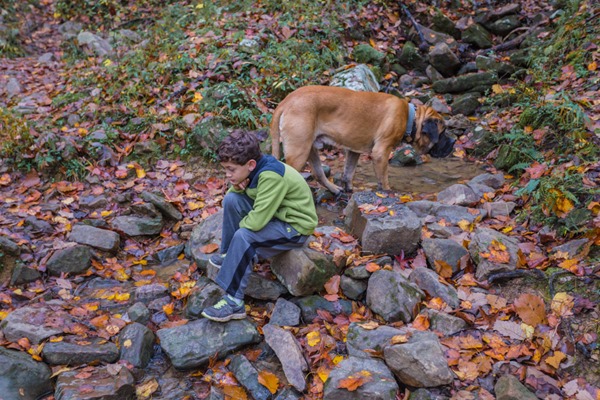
146	389
193	205
235	392
107	63
313	338
497	89
399	339
592	66
323	373
106	213
268	380
465	225
169	308
197	97
3	314
337	359
562	304
121	296
127	344
527	330
405	198
556	359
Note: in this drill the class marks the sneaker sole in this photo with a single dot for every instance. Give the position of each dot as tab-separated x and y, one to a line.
224	319
214	265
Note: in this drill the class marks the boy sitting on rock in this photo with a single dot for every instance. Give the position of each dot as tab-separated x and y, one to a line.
268	209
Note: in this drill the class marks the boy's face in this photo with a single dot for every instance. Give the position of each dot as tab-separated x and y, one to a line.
236	173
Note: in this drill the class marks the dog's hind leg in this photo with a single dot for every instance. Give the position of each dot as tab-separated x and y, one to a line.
380	156
349	168
318	173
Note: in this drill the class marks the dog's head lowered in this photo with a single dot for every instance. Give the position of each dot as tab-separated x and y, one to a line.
430	136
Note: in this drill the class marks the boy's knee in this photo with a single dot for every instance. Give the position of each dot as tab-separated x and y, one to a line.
232	200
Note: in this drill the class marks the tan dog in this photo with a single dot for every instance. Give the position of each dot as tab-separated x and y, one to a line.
361	122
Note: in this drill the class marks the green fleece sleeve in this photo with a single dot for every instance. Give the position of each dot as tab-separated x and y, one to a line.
271	191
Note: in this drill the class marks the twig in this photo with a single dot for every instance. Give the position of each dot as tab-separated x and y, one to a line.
553	277
415	24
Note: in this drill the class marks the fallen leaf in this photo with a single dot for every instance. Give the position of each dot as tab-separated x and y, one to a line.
555	359
353	382
268	380
146	389
313	338
209	248
332	286
531	309
562	304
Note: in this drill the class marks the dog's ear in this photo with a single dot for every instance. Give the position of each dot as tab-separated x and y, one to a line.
431	129
443	147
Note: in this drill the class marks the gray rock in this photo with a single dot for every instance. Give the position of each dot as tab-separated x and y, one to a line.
310	305
444	323
166	208
433	74
247	376
206	294
504	25
206	232
446	250
509	387
192	345
429	281
22	274
70	29
46	58
289	393
285	313
466	104
263	288
38	225
365	54
361	342
420	362
34	322
480	243
303	271
503	69
476	35
411	58
95	237
70	260
13	87
150	292
75	351
379	383
353	289
443	59
499	208
459	195
290	354
393	297
7	246
359	78
170	254
451	213
495	181
138	226
571	248
478	81
480	190
95	43
93	202
138	313
444	24
136	344
21	377
103	384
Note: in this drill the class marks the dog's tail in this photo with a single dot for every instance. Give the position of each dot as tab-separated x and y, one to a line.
275	133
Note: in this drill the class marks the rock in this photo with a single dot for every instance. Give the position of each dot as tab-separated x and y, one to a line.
476	35
21	377
38	225
481	241
473	82
353	289
359	78
206	232
289	393
46	58
136	344
285	313
429	281
290	354
105	383
444	60
446	324
309	306
504	25
433	74
93	202
502	69
439	105
263	288
35	322
192	345
13	87
150	292
247	376
138	313
379	381
9	247
571	249
382	232
303	271
499	208
95	237
458	194
365	54
95	43
411	58
166	208
404	155
170	254
446	250
70	29
73	350
450	213
22	274
129	35
495	181
206	294
509	387
466	104
444	24
420	362
138	226
70	260
393	297
361	342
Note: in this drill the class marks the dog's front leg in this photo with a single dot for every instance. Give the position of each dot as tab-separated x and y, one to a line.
380	156
349	168
318	173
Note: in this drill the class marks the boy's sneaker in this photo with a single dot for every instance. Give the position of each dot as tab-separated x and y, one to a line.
225	310
216	260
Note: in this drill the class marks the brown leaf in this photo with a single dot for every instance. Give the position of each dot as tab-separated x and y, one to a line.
332	286
352	383
209	248
531	309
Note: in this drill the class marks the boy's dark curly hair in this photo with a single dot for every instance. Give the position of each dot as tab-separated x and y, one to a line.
239	148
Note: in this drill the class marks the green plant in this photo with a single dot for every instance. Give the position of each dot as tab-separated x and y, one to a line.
15	136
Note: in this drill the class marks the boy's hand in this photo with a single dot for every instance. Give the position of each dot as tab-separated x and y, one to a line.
242	185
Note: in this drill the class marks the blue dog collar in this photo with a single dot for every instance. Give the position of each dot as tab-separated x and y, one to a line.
411	119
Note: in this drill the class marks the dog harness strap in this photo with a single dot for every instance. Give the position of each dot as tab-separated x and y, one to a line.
411	120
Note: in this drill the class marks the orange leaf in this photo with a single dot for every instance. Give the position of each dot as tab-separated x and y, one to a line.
372	267
443	268
235	392
333	285
352	383
209	248
421	322
268	380
531	309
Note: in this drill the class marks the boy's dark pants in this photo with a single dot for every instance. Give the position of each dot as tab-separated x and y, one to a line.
242	245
